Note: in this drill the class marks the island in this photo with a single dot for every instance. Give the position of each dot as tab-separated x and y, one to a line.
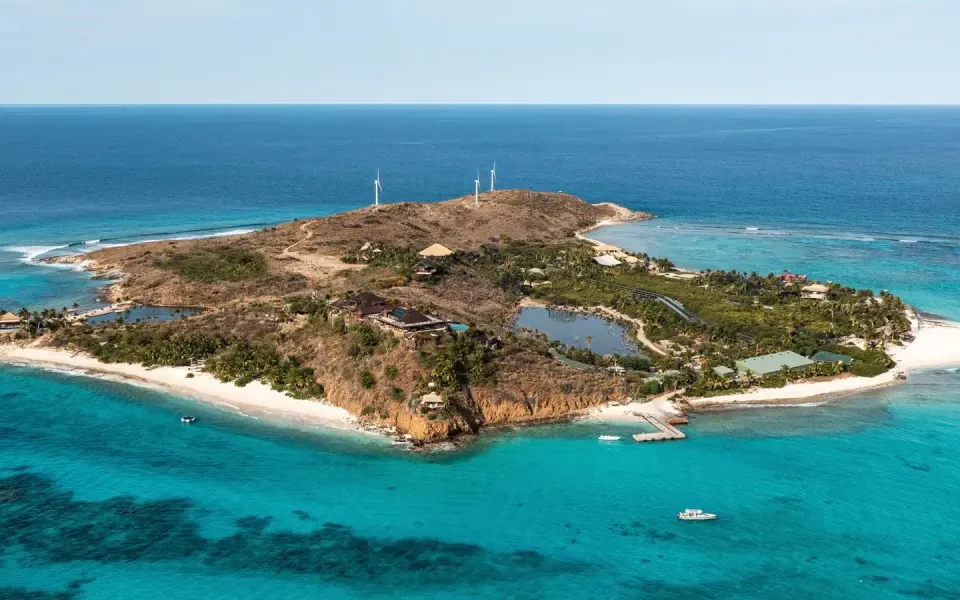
406	318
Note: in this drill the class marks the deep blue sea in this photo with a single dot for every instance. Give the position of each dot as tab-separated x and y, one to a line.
103	494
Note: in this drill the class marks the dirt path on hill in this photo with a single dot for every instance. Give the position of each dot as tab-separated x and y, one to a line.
641	336
315	266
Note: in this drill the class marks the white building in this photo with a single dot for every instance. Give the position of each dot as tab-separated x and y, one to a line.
814	291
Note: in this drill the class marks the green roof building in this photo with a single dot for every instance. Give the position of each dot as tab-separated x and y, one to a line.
831	357
723	371
772	363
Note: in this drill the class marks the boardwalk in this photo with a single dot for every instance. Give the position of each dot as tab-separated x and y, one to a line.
664	432
682	311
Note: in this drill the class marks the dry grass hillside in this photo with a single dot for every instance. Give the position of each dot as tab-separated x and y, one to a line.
305	255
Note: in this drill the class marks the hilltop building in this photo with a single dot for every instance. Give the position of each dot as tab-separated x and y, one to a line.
435	251
362	305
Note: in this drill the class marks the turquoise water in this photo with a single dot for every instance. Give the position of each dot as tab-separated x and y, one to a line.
102	486
104	494
572	329
923	270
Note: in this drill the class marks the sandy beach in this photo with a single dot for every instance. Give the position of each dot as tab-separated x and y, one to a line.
937	345
255	400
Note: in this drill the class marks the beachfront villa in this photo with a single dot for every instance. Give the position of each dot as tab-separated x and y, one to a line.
9	321
723	371
831	357
432	401
605	249
435	251
815	291
788	277
773	363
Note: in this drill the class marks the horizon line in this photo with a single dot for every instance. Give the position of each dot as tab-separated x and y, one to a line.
497	103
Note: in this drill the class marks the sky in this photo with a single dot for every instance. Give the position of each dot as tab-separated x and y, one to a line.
506	51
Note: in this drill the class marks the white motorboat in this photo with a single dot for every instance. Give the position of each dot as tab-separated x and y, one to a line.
188	419
695	514
609	438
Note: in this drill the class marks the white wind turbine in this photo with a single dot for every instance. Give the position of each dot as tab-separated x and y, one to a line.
377	188
493	176
476	190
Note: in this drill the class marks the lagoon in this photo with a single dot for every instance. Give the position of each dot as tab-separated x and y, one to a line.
573	328
145	314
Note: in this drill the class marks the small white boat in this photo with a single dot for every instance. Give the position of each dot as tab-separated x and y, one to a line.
609	438
695	514
188	419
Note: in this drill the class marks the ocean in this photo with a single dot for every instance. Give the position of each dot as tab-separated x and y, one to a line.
106	495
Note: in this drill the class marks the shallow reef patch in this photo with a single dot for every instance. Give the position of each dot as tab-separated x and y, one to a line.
51	526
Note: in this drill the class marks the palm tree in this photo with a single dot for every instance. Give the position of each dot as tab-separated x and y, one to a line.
589	340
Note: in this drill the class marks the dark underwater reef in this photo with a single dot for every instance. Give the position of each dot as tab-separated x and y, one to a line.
49	526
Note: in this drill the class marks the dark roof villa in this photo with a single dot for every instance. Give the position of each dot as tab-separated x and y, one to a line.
363	305
408	319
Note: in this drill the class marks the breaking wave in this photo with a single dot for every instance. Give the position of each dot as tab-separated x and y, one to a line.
779	405
29	254
32	254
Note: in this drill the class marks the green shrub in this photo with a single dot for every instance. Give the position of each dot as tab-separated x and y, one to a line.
367	411
651	387
398	394
391	372
773	381
222	263
305	305
365	337
868	368
367	380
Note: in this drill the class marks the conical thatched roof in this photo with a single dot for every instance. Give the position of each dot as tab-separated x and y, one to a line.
436	250
9	318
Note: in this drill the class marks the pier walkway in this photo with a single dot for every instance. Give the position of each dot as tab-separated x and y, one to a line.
682	311
664	432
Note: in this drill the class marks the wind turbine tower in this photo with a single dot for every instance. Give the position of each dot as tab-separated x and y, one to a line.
377	188
476	190
493	176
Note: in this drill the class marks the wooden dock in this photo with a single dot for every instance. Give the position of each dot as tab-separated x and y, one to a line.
665	432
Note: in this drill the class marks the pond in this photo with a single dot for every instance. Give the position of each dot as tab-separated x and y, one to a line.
572	329
145	314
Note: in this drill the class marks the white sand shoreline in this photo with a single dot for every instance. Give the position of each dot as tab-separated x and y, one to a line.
255	400
937	345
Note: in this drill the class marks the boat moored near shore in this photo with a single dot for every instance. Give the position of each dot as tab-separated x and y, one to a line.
695	514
